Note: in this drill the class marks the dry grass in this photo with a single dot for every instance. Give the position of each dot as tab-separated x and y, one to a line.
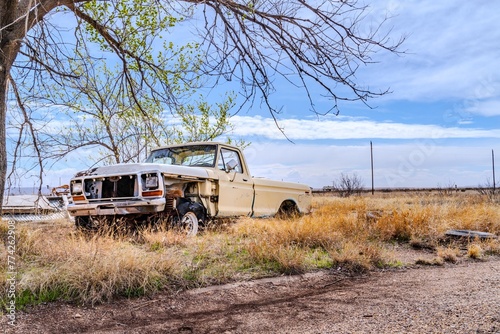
72	266
474	251
354	234
449	253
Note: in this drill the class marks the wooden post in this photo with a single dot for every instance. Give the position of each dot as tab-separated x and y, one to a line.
493	167
371	156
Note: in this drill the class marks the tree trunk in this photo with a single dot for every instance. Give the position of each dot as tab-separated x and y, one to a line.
14	25
3	111
8	52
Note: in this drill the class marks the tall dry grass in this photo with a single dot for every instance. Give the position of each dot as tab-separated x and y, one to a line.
355	234
73	266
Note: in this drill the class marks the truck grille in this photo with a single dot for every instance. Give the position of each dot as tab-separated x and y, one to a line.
110	187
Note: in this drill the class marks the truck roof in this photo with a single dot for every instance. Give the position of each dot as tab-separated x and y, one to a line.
194	143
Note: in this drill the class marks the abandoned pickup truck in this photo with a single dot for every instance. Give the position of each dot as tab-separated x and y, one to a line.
186	185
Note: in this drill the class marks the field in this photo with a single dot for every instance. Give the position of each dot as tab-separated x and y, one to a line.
54	262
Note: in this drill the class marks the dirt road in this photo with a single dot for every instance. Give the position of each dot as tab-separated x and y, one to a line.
455	298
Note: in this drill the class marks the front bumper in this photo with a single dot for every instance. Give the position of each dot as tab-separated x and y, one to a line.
109	208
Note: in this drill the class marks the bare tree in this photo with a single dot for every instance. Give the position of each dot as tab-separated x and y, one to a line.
448	189
348	185
488	189
309	43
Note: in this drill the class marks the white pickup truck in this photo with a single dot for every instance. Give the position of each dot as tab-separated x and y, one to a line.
187	185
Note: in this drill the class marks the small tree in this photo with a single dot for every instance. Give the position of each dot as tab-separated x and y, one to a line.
348	185
488	189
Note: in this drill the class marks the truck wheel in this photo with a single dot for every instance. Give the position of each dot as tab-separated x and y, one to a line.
189	223
83	223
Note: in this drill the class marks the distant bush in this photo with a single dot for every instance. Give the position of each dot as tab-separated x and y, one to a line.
489	189
348	185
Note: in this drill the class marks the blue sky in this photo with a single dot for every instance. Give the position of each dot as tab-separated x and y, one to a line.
438	127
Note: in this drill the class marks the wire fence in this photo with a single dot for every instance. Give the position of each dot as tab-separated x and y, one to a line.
35	209
36	217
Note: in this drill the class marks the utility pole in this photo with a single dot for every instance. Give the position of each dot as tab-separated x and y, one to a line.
371	156
493	167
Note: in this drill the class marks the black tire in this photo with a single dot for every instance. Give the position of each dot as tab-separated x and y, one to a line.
83	223
185	206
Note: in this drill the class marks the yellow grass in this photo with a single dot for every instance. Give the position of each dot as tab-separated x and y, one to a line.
449	253
474	251
354	234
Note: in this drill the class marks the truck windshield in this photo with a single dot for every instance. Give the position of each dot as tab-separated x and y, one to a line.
192	155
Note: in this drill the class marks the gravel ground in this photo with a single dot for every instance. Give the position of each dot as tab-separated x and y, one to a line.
454	298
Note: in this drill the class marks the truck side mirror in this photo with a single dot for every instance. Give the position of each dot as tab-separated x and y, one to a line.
230	165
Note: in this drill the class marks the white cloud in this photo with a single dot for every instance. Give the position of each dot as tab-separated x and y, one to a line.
297	129
486	108
451	49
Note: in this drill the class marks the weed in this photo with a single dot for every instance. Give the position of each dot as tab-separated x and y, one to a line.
449	254
437	261
491	246
357	257
474	251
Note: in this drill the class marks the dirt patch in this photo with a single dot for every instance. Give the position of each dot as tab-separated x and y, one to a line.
453	298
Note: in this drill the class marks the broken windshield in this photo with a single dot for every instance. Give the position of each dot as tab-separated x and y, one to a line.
192	155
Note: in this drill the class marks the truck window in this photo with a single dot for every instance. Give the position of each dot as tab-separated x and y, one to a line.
226	157
189	155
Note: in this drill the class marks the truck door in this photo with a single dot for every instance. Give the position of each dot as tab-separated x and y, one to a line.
236	192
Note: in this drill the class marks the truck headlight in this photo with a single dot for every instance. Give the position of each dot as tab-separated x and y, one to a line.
76	188
151	181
